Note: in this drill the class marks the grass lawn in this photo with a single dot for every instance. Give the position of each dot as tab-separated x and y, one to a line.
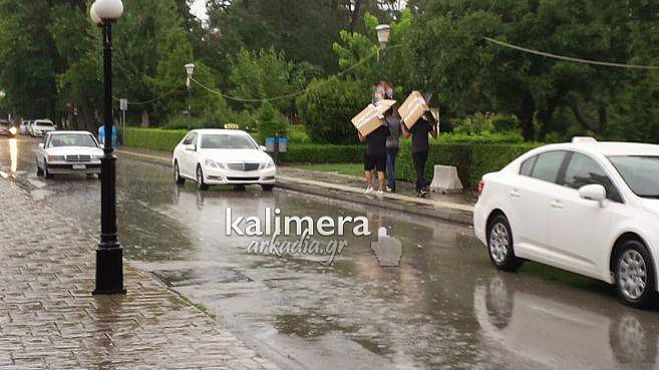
352	169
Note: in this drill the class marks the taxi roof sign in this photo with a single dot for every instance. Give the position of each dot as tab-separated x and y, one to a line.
584	140
231	126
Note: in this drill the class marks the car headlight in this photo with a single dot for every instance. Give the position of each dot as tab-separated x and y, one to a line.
56	158
211	163
96	157
268	164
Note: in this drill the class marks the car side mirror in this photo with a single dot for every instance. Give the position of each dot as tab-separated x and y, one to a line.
263	148
41	146
190	147
593	192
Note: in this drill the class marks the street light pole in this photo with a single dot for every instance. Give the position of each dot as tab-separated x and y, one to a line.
189	69
109	253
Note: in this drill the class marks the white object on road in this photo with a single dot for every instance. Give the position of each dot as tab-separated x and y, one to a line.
446	180
587	207
216	157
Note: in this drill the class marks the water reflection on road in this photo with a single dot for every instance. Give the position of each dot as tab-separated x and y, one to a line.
444	306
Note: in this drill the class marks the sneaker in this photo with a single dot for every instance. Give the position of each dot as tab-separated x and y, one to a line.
368	191
390	190
380	193
422	193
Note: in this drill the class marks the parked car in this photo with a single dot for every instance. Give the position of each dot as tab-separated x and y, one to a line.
42	126
214	157
69	152
4	128
587	207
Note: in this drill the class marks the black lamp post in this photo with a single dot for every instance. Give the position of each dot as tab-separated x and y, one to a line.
109	254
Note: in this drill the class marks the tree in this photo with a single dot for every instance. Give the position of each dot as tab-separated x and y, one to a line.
329	105
262	75
27	58
471	74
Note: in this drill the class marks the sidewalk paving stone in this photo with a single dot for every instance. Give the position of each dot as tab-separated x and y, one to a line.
49	319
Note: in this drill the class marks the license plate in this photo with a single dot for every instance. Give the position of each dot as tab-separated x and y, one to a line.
79	167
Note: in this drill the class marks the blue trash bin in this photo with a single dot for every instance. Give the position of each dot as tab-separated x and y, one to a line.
101	136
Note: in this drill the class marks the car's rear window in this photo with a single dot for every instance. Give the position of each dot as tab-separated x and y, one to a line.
46	124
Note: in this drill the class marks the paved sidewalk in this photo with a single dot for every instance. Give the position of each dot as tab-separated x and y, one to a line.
49	320
455	208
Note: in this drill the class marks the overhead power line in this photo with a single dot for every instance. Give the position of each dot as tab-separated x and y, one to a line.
571	59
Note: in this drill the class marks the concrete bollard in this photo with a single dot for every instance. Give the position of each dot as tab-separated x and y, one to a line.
446	180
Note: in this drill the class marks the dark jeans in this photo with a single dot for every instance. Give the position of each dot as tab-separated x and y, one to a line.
391	167
420	159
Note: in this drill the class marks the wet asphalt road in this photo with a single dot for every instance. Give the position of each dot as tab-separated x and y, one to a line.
444	306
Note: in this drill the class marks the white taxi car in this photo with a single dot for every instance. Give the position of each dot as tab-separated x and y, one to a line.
216	157
588	207
65	152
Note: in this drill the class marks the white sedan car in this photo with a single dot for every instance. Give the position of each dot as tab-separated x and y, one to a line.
587	207
69	152
216	157
41	127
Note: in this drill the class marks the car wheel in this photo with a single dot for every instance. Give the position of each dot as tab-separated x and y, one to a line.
39	170
177	175
46	174
267	187
634	273
500	245
200	179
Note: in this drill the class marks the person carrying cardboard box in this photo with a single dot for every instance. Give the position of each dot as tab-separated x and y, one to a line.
372	130
419	123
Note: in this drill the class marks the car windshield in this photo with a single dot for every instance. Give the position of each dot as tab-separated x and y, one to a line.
224	141
61	140
46	124
641	173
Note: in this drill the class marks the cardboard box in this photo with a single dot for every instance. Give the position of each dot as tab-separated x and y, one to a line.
372	117
413	108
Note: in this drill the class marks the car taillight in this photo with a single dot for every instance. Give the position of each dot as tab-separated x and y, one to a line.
481	187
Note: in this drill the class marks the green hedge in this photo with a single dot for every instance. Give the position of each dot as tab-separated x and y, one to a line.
471	159
155	139
321	153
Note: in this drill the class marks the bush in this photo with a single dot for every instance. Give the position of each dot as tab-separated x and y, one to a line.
329	105
154	139
484	138
271	122
317	153
298	134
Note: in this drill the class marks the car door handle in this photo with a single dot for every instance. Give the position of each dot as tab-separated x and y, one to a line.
556	204
514	193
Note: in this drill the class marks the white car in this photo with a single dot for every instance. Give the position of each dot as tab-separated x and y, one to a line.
65	152
587	207
216	157
41	127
